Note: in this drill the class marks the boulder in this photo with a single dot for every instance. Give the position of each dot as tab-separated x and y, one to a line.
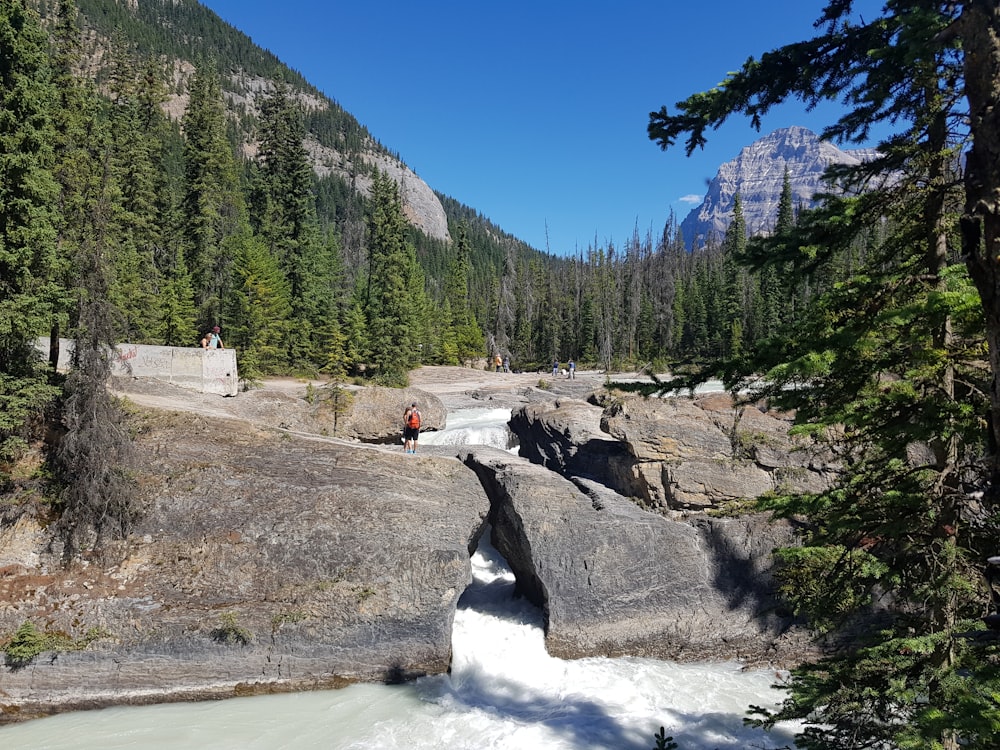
266	561
672	453
375	415
613	579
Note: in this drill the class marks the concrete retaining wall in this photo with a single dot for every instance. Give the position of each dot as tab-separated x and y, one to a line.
204	370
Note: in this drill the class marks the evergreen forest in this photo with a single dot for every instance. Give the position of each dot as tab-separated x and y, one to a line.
305	273
156	180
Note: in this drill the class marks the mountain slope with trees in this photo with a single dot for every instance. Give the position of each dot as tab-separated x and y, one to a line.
220	216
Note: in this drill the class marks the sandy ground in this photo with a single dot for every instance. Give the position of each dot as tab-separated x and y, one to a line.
463	387
457	387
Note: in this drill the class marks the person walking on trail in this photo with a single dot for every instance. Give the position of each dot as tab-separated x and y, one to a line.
212	339
555	367
411	428
572	370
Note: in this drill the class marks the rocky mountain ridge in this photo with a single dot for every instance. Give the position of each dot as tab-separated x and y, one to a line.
757	174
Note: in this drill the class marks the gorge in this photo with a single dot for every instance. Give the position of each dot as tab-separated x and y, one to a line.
276	557
502	684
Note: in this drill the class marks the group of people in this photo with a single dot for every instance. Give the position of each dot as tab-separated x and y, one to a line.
212	339
501	364
570	369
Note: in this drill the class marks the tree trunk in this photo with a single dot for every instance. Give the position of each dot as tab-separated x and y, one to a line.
980	32
54	351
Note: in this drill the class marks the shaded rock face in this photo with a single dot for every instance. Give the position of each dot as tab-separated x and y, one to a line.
674	453
565	435
613	579
266	562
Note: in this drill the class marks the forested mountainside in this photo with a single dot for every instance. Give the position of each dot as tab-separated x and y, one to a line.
643	301
244	197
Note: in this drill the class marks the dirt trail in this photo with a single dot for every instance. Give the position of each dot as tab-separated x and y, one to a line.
457	387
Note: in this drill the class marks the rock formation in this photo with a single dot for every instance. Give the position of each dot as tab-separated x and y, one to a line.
266	562
613	579
673	453
274	557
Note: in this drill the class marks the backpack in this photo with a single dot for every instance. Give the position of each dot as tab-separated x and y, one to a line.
413	419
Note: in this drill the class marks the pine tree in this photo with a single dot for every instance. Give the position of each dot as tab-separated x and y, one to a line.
175	325
887	365
356	344
976	32
464	337
136	287
30	291
286	217
214	207
92	457
772	293
388	298
733	247
259	310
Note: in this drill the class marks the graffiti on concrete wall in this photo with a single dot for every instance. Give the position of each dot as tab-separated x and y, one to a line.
208	371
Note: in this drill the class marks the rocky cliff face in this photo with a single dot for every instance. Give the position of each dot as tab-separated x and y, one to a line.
672	454
243	92
421	206
758	174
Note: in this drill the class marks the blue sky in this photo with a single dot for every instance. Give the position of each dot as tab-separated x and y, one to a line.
534	113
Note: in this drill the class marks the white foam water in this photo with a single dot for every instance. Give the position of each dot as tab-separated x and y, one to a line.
473	427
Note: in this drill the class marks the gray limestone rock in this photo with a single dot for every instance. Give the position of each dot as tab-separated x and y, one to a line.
672	453
266	562
613	579
274	558
758	174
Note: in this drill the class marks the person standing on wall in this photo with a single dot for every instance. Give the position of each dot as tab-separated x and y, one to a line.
411	428
212	340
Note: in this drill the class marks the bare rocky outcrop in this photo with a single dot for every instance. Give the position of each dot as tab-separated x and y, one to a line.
369	415
672	453
266	562
565	435
421	206
274	557
613	579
